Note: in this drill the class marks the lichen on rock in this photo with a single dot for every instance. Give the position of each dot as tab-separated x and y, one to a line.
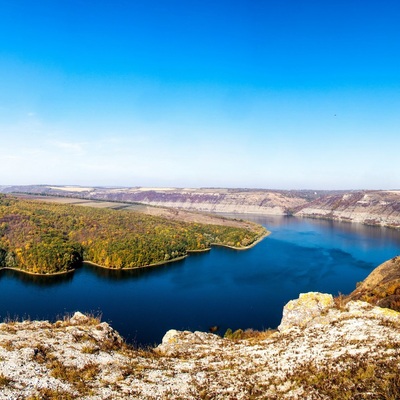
305	309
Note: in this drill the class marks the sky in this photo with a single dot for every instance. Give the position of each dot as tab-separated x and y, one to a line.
275	94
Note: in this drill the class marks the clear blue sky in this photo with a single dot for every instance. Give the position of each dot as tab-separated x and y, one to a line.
271	94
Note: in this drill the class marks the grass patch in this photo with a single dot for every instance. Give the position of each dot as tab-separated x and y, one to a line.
42	354
5	381
79	378
91	319
251	335
7	345
90	349
52	394
352	378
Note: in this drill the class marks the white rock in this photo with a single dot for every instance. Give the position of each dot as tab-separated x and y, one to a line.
193	365
305	309
79	319
170	336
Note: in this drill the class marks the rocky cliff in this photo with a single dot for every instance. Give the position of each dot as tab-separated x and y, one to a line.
381	208
206	200
322	350
372	207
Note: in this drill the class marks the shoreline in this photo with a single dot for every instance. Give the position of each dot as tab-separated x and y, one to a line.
160	263
132	268
199	250
181	257
38	274
245	247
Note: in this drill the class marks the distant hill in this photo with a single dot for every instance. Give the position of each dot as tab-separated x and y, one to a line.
369	207
372	207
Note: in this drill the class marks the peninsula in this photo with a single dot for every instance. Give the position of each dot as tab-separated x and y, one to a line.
48	237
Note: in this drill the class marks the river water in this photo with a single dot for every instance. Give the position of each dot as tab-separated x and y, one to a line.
225	288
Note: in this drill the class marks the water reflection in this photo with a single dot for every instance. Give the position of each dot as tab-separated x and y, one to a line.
137	273
37	280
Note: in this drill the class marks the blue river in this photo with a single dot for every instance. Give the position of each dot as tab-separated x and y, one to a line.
223	287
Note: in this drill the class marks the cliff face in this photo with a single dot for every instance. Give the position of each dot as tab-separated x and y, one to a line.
380	208
223	201
322	350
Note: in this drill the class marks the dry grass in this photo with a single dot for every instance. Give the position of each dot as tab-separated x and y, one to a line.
5	381
90	349
356	378
42	354
92	319
340	301
250	335
52	394
8	345
382	286
111	344
133	368
9	328
79	378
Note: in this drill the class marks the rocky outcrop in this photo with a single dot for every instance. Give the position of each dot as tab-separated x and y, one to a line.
323	350
309	307
223	200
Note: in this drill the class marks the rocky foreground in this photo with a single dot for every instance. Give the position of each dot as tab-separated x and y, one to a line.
323	349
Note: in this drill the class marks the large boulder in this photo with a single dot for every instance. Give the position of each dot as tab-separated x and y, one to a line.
307	308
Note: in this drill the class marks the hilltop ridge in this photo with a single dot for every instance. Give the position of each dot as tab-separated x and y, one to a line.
371	207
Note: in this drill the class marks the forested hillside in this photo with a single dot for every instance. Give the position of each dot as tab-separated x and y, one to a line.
40	237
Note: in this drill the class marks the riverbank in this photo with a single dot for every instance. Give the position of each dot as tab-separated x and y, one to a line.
133	268
38	274
160	263
182	257
244	247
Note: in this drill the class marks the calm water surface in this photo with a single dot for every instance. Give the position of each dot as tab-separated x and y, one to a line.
223	287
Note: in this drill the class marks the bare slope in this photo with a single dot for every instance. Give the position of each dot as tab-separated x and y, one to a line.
382	286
